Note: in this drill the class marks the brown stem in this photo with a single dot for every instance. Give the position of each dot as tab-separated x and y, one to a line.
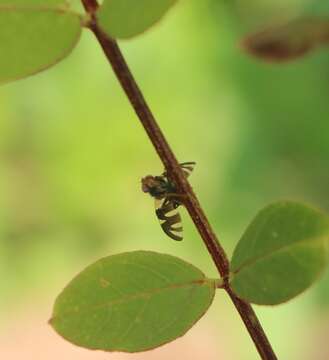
90	6
134	94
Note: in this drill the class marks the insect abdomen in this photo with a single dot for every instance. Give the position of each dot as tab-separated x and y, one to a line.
168	221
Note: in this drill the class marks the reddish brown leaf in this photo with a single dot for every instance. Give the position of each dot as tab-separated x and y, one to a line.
288	41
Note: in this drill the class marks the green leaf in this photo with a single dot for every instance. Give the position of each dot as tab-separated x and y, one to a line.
288	41
33	39
283	251
32	3
132	302
128	18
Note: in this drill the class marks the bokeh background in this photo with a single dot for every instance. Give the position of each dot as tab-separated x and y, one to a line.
72	154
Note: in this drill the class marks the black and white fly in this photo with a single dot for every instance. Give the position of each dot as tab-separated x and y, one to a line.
167	200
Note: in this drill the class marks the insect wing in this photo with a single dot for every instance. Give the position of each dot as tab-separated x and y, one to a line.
187	167
169	217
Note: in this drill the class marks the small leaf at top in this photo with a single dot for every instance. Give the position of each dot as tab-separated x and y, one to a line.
34	38
283	251
288	41
128	18
132	302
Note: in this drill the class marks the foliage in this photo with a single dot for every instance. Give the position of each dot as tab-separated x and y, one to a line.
132	302
129	302
283	251
289	40
31	52
128	18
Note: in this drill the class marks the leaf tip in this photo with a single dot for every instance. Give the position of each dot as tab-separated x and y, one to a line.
51	321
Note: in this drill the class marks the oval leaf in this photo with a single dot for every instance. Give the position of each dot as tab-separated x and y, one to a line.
132	302
282	252
128	18
33	39
288	41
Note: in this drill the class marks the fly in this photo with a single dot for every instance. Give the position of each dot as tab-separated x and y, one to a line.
164	191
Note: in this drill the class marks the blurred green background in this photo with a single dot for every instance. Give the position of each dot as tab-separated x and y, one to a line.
72	154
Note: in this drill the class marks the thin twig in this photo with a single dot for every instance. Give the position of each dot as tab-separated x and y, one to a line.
171	164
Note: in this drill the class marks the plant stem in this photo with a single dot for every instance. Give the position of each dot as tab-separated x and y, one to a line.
171	164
